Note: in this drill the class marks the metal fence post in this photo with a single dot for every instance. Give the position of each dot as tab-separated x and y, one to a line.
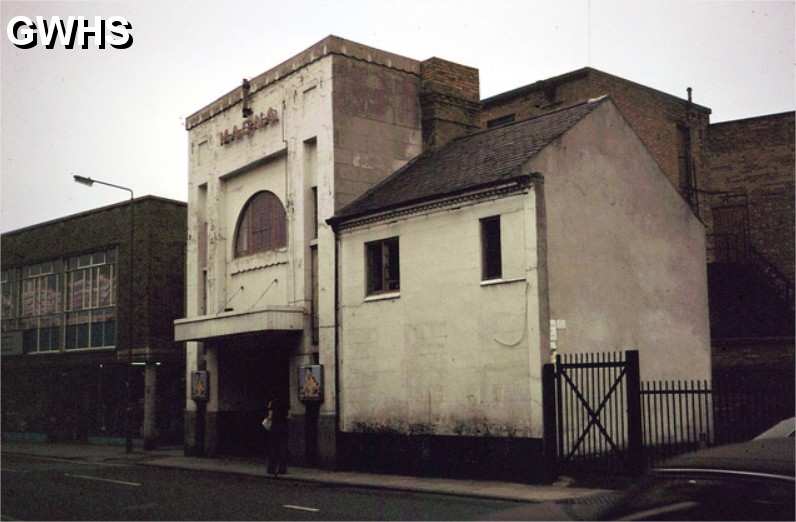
550	437
634	426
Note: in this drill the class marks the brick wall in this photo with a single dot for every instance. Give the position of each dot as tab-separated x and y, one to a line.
78	394
449	101
451	79
159	260
652	114
756	156
166	226
753	361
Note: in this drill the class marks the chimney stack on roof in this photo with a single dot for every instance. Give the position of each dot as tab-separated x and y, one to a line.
449	101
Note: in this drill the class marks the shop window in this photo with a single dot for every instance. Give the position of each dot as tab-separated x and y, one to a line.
262	225
383	272
491	261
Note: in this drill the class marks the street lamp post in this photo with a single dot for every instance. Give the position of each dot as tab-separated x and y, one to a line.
128	438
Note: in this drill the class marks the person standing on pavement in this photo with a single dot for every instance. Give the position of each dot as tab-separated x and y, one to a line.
277	438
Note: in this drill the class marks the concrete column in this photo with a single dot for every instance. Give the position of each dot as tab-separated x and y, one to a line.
211	414
150	406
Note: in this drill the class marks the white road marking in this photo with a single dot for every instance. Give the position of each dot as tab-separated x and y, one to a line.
88	477
55	459
300	508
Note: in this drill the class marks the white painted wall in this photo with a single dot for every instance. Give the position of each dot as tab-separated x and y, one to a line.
448	355
305	100
304	103
625	253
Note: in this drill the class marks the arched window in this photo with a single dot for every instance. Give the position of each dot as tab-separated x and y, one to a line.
261	226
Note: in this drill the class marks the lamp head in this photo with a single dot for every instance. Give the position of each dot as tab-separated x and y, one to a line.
84	180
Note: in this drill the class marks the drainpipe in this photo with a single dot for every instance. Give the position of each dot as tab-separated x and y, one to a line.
336	347
694	189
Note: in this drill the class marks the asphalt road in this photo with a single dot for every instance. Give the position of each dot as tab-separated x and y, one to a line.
40	488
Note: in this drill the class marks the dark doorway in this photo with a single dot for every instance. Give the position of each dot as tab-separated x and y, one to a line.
252	370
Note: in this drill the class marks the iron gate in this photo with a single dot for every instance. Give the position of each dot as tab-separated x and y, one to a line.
593	412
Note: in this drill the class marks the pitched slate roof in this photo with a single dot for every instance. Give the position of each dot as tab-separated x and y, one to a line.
479	159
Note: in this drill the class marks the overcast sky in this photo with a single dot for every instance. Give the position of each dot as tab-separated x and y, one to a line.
117	115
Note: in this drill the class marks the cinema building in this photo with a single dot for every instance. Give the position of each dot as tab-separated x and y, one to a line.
361	247
270	162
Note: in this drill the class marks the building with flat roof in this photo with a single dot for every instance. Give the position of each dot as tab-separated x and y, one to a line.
67	348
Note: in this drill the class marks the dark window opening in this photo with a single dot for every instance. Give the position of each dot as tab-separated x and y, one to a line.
314	301
383	266
491	261
314	213
30	340
497	122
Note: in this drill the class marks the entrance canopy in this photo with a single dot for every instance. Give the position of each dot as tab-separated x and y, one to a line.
268	319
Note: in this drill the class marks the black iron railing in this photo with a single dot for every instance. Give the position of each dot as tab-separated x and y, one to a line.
678	417
681	416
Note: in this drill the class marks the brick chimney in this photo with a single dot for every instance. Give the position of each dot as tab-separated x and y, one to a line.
449	101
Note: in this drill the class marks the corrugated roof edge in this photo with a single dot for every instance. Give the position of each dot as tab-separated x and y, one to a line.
84	213
341	216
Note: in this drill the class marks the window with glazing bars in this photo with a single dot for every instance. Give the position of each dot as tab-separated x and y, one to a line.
262	225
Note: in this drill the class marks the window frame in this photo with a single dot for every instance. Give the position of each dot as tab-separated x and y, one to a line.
270	236
387	280
491	254
48	301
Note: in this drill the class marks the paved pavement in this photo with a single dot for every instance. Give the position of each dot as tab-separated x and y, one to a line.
174	458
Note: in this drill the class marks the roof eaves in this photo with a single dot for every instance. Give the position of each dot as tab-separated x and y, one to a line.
337	220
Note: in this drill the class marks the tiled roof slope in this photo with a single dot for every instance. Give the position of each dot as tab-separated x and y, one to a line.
478	159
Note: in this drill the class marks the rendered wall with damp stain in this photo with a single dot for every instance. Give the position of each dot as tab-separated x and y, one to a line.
448	355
